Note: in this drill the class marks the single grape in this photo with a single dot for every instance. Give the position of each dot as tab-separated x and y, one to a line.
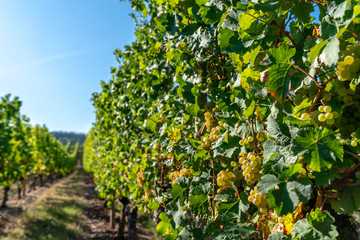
335	114
342	92
321	108
305	116
330	121
327	109
354	143
322	117
345	74
329	115
341	65
349	60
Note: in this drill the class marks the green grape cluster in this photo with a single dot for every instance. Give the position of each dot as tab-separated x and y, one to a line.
349	62
353	141
306	92
236	170
350	118
250	166
211	121
225	178
214	136
246	141
259	200
323	116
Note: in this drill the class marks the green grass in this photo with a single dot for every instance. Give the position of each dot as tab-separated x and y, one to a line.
55	215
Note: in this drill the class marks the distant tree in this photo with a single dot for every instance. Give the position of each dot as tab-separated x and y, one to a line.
69	137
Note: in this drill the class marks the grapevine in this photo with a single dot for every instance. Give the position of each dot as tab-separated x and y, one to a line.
241	117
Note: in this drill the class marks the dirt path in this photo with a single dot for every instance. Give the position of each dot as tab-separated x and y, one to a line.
15	207
66	210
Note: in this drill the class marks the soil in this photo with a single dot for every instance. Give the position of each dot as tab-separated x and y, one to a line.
95	217
98	220
15	207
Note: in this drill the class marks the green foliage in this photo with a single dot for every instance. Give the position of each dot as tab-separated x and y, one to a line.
26	150
212	115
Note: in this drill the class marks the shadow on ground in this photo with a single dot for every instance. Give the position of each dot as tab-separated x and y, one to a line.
57	215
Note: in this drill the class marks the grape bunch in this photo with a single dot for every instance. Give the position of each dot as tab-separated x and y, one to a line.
246	141
324	116
259	200
309	92
250	166
173	176
225	178
349	62
211	121
214	136
185	171
214	129
350	118
140	178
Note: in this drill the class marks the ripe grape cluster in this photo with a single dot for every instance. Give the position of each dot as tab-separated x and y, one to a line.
214	130
246	141
225	178
250	166
323	116
259	200
308	92
185	171
211	121
174	175
349	62
350	118
140	178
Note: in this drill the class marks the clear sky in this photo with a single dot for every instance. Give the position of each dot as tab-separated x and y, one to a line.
53	54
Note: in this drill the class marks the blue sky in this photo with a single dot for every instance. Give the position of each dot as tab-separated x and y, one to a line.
53	55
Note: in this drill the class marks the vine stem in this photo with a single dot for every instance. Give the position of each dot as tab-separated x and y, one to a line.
303	71
286	33
316	99
322	87
213	196
339	183
253	132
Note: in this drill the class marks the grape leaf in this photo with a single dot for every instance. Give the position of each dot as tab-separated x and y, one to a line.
177	190
331	51
315	51
279	80
285	196
336	8
302	10
348	201
283	54
317	225
319	147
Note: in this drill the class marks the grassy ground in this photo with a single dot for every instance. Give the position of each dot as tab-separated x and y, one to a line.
12	191
55	215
